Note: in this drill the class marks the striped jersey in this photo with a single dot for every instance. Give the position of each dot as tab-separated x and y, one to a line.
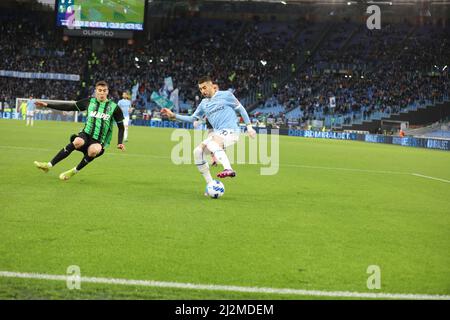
100	119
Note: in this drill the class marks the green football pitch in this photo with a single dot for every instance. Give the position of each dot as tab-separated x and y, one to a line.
120	11
333	209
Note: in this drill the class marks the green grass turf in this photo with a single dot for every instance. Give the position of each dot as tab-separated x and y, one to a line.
136	215
112	10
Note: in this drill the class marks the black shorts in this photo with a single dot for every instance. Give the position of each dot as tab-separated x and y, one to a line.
88	140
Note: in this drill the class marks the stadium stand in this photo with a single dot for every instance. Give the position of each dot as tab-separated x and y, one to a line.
369	73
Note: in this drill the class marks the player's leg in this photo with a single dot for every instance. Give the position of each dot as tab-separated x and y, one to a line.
214	159
93	151
201	163
216	147
125	124
77	143
32	119
125	136
220	141
206	150
207	153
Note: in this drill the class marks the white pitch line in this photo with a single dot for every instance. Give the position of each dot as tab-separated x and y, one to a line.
343	169
213	287
25	148
428	177
108	154
164	157
281	165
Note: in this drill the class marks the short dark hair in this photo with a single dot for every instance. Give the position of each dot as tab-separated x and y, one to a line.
205	79
101	83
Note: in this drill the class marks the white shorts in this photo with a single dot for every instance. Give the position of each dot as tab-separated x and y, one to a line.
126	121
30	113
229	137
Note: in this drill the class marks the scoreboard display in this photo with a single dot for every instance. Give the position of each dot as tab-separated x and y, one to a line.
101	14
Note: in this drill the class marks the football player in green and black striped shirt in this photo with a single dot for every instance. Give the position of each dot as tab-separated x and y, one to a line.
97	132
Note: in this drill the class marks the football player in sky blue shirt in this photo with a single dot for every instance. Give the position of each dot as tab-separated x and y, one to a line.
125	105
220	108
31	108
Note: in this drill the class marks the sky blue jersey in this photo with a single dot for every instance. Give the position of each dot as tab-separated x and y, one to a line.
31	105
220	110
125	105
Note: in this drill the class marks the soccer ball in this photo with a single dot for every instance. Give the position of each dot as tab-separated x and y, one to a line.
215	189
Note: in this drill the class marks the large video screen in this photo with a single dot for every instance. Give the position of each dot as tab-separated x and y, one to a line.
102	14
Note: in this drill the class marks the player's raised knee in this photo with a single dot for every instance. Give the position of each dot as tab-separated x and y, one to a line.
219	140
94	150
78	143
93	153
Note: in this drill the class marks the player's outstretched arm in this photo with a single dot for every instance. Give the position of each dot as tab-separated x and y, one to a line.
41	104
168	113
79	105
250	131
118	118
174	116
120	144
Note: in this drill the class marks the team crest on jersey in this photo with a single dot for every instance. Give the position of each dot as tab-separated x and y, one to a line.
108	108
97	115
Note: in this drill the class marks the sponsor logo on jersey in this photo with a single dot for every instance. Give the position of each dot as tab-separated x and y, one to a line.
97	115
210	112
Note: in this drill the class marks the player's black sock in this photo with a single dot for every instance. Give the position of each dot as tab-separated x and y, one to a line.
64	153
84	162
